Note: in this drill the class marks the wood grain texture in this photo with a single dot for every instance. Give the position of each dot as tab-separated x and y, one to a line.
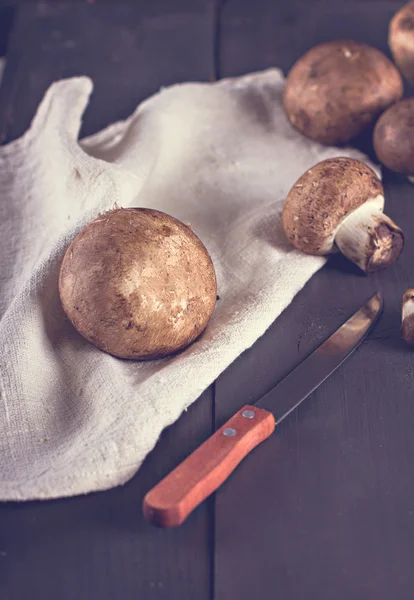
100	546
325	508
129	49
170	502
7	13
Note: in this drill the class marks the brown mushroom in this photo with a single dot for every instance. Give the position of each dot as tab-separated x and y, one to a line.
408	317
138	283
394	138
401	40
339	88
338	204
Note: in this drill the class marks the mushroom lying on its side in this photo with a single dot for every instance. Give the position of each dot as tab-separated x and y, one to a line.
408	317
401	40
394	138
339	88
338	204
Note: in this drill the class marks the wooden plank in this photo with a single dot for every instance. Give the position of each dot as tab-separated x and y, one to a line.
130	50
99	546
7	12
278	33
323	509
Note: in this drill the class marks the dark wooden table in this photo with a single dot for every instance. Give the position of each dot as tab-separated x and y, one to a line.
325	508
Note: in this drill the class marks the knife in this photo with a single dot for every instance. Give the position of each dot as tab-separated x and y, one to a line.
170	502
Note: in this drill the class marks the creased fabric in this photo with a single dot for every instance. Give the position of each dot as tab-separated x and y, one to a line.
220	156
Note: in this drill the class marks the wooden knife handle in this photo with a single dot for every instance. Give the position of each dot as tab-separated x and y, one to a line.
170	502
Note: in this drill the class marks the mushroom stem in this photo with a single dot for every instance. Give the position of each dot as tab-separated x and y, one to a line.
369	238
408	317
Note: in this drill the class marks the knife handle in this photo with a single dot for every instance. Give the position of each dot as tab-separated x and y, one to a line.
170	502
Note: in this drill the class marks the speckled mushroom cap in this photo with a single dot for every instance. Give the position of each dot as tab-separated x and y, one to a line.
138	283
338	88
394	137
401	40
322	197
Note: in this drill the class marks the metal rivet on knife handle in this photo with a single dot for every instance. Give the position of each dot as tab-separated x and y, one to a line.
229	432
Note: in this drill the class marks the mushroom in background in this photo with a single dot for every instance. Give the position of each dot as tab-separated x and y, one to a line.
339	88
338	204
408	317
401	40
394	138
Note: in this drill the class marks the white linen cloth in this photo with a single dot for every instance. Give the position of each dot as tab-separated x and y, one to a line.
220	156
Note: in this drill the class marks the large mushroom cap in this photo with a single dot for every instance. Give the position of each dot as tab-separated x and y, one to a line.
401	40
394	137
322	197
138	283
338	88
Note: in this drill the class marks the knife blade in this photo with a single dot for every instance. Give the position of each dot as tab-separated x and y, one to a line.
170	502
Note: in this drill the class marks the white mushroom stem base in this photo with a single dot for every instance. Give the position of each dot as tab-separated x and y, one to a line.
408	317
369	238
